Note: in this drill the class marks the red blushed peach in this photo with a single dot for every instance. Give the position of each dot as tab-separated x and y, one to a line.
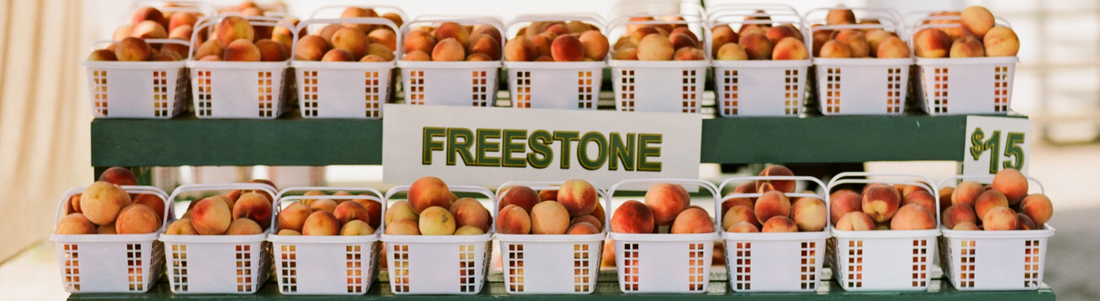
374	211
211	48
625	54
786	186
147	13
1038	207
1012	184
549	218
687	32
323	205
747	187
211	216
403	227
655	47
743	227
692	220
101	202
119	176
922	198
1001	41
271	51
255	207
681	40
778	33
401	210
967	193
337	55
790	49
637	35
470	212
880	202
74	223
599	213
449	50
542	44
632	217
932	43
484	44
913	217
892	47
243	226
519	50
875	38
967	46
547	195
582	228
977	20
349	211
352	40
578	197
321	222
74	204
181	227
521	196
153	202
1000	218
989	199
293	216
232	28
843	201
1024	222
858	45
418	56
779	224
588	219
241	51
770	204
567	48
840	16
513	220
383	36
133	50
756	46
720	36
836	50
452	30
688	54
966	226
486	29
179	19
809	214
855	221
595	45
958	213
666	201
429	191
419	40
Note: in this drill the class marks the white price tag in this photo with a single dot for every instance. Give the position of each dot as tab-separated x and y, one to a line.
996	143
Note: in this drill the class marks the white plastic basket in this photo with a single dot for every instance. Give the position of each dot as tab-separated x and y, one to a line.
325	265
249	90
154	90
555	85
550	264
883	260
660	86
959	86
217	264
110	263
662	263
759	88
449	83
774	262
430	264
994	260
861	86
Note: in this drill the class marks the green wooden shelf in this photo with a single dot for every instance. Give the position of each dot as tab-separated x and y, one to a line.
292	140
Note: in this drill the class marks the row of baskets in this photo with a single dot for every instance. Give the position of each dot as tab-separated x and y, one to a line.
262	90
557	264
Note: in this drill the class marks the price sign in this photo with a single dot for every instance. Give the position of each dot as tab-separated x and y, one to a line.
996	143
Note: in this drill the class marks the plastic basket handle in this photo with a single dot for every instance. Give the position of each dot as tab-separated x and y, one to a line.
863	178
922	16
623	21
207	22
699	11
983	179
222	186
395	9
712	20
917	27
453	188
542	185
132	189
369	20
892	17
282	197
460	20
147	41
183	6
749	10
718	205
704	184
592	19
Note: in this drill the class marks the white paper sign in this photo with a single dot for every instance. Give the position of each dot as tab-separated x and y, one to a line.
490	146
996	143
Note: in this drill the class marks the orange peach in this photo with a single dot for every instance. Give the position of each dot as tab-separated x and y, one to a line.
1001	41
778	33
892	47
737	214
357	12
967	46
920	197
1038	207
989	199
74	204
242	51
595	45
403	227
436	220
549	218
133	50
321	222
967	193
101	202
547	195
753	29
372	58
356	227
840	16
720	36
640	33
932	43
374	211
588	219
875	38
945	197
692	220
521	196
966	226
513	219
470	212
181	227
689	54
1000	218
632	217
542	44
102	55
559	29
383	36
122	32
779	224
106	229
419	40
449	30
843	201
855	221
448	50
417	56
1024	222
958	213
349	211
743	227
293	216
786	186
243	226
666	201
149	30
352	40
519	50
578	197
567	48
271	51
323	205
790	49
486	45
757	46
732	52
770	204
820	37
599	213
211	216
146	13
74	223
232	28
469	230
977	20
289	232
486	29
1012	184
681	40
401	210
655	47
153	202
880	202
327	31
809	214
607	259
209	48
913	217
255	207
179	19
582	228
747	187
429	191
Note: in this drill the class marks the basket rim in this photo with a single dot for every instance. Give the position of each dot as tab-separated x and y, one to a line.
215	239
323	240
437	239
883	234
555	65
870	62
768	64
791	236
664	237
448	65
996	60
220	65
343	65
145	65
658	64
1046	232
551	238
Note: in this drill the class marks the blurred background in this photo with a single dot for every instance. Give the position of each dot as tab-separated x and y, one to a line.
45	115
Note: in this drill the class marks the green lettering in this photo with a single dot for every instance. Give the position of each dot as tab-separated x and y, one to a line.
622	152
510	147
646	150
460	148
582	150
566	138
430	144
485	146
541	154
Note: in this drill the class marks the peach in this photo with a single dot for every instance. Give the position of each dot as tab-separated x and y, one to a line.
738	214
913	217
779	224
840	16
666	201
892	47
181	227
1012	184
958	213
582	228
559	29
549	218
122	32
74	223
875	38
681	40
966	226
401	210
932	43
448	50
1024	222
323	205
977	20
790	49
153	202
470	212
770	204
383	36
417	56
945	197
628	54
967	46
600	214
1001	41
486	45
232	28
311	48
692	220
1000	218
211	217
542	44
270	51
286	41
632	217
149	30
743	227
349	211
521	196
577	27
293	216
594	44
429	191
567	48
786	186
731	52
403	227
179	19
967	193
855	221
102	55
578	197
211	48
1038	207
449	30
753	29
880	202
920	197
244	226
688	54
513	219
548	195
253	206
352	40
640	33
607	259
321	222
588	219
820	37
436	220
469	230
356	227
419	40
176	50
133	50
757	46
372	58
74	204
989	199
844	34
486	29
242	51
655	47
809	214
145	13
519	50
289	232
327	31
357	12
101	202
170	56
747	187
720	36
778	33
843	201
374	211
106	229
